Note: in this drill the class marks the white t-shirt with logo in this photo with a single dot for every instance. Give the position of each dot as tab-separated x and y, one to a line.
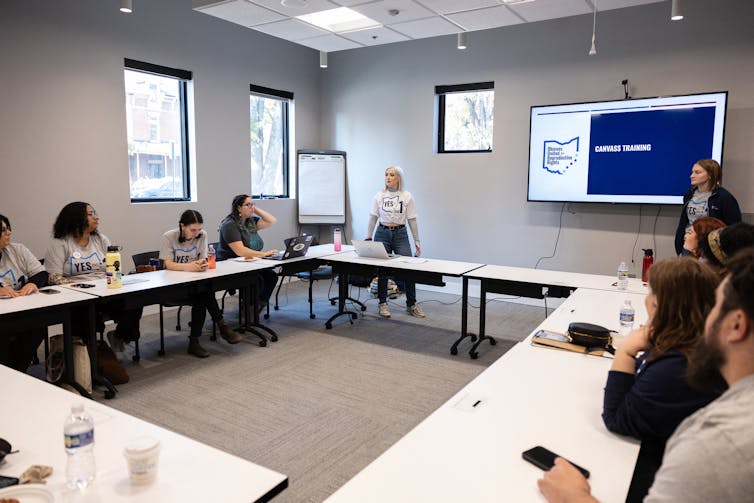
66	258
17	265
186	252
393	207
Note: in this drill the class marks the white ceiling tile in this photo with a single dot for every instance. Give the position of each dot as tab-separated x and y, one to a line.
407	11
540	10
350	3
328	43
484	19
375	36
241	12
424	28
291	29
619	4
448	6
311	6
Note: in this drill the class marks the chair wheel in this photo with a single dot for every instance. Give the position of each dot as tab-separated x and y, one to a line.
262	344
363	308
161	352
328	326
474	355
353	316
136	358
266	316
493	342
276	308
332	302
213	337
453	351
177	328
274	338
109	394
312	316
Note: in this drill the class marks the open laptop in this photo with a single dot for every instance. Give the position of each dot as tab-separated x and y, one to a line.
294	247
371	249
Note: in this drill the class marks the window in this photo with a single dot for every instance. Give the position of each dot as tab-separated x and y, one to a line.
465	117
157	130
269	121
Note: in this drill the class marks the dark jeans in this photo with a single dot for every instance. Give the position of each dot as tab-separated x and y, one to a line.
267	281
395	241
200	305
18	348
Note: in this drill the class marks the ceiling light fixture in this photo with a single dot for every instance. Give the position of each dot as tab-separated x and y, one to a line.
593	50
126	6
463	40
294	3
676	10
322	59
339	20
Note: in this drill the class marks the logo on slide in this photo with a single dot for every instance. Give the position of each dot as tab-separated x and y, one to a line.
558	157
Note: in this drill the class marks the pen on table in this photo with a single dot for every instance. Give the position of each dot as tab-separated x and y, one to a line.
477	403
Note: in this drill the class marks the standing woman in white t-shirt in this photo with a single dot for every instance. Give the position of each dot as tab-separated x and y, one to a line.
185	249
705	198
392	210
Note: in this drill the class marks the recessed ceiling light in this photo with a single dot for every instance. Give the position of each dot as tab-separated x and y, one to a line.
339	20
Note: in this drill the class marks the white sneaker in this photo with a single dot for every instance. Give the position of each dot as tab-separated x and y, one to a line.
116	344
384	311
415	310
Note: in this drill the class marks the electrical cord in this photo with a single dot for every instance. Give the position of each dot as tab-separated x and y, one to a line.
557	238
636	241
654	230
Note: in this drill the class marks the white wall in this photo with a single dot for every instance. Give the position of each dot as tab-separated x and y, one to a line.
379	104
62	111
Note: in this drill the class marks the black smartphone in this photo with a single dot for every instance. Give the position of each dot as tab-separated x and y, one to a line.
49	291
7	481
83	285
545	459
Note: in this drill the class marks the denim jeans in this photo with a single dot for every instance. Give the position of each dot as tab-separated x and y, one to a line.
395	241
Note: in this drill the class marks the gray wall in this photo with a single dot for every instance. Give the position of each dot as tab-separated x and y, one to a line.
62	129
63	125
379	106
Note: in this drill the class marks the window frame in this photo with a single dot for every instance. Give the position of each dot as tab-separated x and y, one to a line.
285	97
440	93
183	77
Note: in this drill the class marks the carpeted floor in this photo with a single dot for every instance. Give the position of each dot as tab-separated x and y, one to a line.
318	405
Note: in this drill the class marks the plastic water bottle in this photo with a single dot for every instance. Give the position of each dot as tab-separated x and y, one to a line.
627	314
336	239
211	257
114	273
622	276
78	430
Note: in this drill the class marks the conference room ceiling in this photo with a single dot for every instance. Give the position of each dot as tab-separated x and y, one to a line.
398	20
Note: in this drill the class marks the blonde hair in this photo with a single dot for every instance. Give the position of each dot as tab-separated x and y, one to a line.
398	171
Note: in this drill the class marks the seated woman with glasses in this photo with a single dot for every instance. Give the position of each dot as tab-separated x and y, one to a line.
78	254
239	237
21	274
185	249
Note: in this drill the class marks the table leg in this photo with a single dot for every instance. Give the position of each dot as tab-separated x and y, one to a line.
482	319
342	296
464	318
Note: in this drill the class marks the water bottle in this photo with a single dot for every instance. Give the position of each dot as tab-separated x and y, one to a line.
336	239
622	276
627	314
211	257
78	431
113	270
646	263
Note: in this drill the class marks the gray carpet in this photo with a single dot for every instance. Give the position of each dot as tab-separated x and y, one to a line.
318	405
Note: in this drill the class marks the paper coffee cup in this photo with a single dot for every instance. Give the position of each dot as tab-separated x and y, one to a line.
142	455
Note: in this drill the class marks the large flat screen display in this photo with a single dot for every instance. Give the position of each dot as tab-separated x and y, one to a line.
628	151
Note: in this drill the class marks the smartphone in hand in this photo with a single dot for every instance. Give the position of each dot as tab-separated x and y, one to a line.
545	459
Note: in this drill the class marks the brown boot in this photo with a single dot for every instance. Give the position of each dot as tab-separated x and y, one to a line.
196	349
228	333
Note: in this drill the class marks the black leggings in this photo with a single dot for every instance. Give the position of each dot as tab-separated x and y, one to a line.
18	348
200	304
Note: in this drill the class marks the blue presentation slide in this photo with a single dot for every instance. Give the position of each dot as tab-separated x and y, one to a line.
627	148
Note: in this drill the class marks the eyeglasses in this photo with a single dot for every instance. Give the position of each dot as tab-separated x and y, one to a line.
92	213
248	205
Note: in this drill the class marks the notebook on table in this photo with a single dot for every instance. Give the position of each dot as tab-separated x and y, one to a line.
371	249
294	247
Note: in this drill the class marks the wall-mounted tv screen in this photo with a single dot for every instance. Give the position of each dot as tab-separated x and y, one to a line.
627	151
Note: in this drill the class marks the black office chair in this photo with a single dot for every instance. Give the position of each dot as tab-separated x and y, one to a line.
320	273
142	259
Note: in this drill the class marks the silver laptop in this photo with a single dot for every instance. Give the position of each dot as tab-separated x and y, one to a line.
371	249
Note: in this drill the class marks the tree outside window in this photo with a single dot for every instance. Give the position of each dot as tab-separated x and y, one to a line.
268	126
465	117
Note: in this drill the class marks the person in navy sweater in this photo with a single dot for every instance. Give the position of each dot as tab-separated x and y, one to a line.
646	395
